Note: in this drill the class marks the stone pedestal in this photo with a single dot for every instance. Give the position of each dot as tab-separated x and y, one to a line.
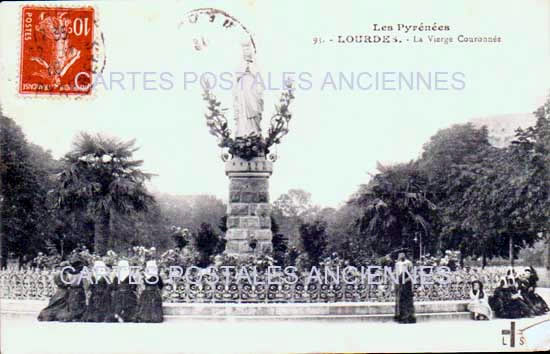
248	210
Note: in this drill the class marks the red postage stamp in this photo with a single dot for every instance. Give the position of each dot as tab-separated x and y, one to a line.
56	50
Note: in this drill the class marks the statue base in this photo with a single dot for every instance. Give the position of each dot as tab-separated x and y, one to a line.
248	210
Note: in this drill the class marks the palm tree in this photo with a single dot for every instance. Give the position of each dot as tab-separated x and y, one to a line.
100	177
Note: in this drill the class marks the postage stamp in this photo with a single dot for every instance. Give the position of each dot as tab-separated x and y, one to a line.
57	46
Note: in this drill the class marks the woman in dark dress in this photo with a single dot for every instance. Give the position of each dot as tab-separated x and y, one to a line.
124	300
99	305
76	299
521	307
150	300
58	301
529	285
506	301
404	304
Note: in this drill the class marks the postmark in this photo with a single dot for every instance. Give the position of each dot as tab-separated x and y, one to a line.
57	50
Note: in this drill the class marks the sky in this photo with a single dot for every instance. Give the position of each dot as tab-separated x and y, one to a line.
336	135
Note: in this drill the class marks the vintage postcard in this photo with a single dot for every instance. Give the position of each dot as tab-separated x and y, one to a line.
274	176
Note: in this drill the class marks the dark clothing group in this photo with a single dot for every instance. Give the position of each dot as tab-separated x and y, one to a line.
516	298
115	301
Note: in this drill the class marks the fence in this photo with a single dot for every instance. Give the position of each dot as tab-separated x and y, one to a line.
35	284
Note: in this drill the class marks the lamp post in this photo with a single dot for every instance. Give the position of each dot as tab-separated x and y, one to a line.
418	238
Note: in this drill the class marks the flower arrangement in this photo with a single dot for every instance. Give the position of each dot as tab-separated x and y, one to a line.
451	259
247	147
260	262
334	261
46	261
183	257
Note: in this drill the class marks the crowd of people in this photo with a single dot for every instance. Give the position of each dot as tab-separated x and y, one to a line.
515	296
118	297
113	296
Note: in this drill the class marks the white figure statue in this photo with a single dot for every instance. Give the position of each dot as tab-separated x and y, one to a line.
248	95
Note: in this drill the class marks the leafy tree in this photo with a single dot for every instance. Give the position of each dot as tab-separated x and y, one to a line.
532	149
190	211
280	248
180	236
24	182
296	202
71	229
491	201
344	236
280	243
290	210
100	176
313	237
495	205
395	208
147	229
207	243
444	162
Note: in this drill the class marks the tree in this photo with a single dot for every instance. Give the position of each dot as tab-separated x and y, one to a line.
292	209
180	236
395	208
344	236
100	176
296	202
24	182
147	229
444	162
280	243
496	205
532	147
491	201
313	237
207	243
190	211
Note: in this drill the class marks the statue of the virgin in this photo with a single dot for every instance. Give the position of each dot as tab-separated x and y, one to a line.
248	95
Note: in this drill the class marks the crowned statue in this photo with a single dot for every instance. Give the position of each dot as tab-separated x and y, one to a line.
248	161
248	89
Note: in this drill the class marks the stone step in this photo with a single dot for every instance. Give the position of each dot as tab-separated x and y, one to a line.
362	312
306	309
421	317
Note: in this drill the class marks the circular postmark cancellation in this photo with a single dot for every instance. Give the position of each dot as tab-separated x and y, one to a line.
61	49
213	17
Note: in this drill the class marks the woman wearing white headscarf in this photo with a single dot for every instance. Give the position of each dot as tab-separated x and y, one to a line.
479	305
124	294
506	301
99	305
150	300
